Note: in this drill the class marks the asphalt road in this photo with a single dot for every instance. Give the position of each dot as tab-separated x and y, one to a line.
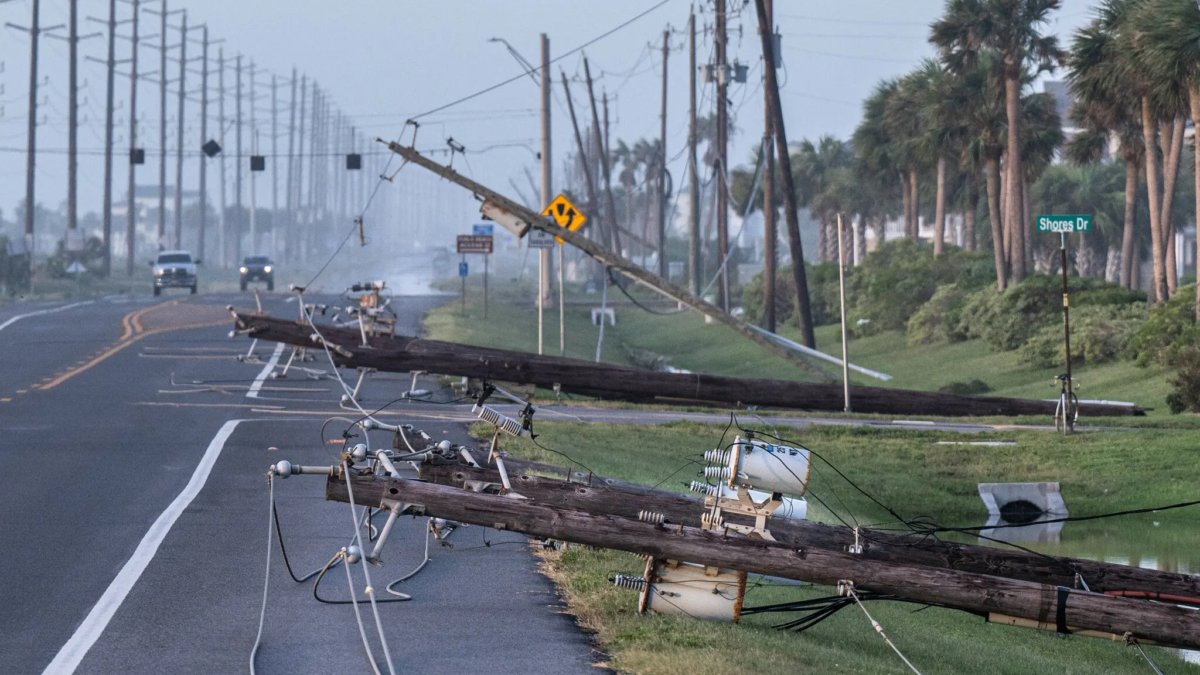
135	512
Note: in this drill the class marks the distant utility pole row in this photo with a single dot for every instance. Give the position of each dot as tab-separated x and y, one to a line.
314	122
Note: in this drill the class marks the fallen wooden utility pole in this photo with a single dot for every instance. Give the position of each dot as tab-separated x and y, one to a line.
607	257
600	496
997	598
404	354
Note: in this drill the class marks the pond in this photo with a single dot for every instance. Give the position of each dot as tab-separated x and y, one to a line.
1168	542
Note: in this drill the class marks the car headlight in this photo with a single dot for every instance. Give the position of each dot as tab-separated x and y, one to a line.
267	269
158	272
243	270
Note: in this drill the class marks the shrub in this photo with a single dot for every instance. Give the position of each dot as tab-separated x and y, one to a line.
1099	334
1006	320
939	320
900	276
1168	331
969	388
785	297
1186	383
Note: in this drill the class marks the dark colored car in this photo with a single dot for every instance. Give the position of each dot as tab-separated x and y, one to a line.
174	269
258	268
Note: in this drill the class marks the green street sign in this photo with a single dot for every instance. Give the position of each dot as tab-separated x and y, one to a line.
1064	224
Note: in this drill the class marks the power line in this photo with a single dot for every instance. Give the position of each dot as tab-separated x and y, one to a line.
523	75
864	22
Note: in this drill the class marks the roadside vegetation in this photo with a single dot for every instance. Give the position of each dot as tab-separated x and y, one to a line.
931	323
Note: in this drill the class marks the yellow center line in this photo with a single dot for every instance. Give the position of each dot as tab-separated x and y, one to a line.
5	400
22	391
120	346
132	322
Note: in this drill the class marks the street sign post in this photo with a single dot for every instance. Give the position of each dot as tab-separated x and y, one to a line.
540	239
480	243
462	276
1064	225
475	243
569	216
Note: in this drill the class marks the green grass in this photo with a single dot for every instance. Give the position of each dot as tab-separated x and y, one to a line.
1099	471
686	341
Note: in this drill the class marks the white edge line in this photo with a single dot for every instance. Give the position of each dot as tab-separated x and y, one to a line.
72	653
40	312
267	369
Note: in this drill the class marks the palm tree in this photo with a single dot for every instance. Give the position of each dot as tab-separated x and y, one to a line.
1172	41
1104	108
814	167
877	161
1160	97
908	128
1041	138
980	98
1168	94
1091	189
945	133
1012	29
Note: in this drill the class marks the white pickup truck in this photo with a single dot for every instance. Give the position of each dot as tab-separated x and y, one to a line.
174	269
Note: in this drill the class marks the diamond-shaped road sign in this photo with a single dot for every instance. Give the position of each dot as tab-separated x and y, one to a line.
565	213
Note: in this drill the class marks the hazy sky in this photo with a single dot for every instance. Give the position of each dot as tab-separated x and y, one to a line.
385	60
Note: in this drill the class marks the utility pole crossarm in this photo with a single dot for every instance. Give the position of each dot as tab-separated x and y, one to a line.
609	258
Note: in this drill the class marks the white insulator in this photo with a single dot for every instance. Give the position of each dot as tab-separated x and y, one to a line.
353	554
717	456
771	468
629	583
283	468
703	488
717	472
359	452
492	416
651	517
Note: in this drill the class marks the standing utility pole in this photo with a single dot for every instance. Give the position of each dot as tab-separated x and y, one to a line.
73	241
610	217
770	235
253	173
73	124
203	139
547	195
183	31
34	31
694	268
297	241
290	197
720	39
162	126
131	213
237	166
584	160
110	83
803	311
662	169
274	162
222	233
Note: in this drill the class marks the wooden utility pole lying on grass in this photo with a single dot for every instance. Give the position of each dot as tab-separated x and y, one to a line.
998	599
402	354
600	496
